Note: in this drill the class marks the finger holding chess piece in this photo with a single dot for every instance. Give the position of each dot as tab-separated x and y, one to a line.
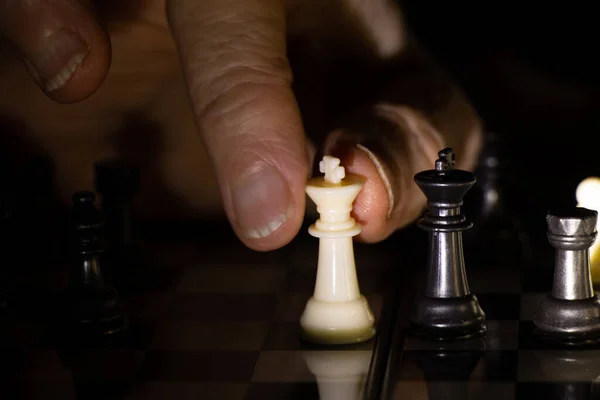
337	313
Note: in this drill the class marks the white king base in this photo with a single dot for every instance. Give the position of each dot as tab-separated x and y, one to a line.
337	313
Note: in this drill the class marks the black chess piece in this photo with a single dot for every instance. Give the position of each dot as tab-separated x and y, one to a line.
495	205
571	312
92	306
447	310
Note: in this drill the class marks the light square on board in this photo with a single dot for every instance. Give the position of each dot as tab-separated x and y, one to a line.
195	335
223	307
286	390
113	365
281	366
305	366
189	391
198	366
558	365
234	280
419	390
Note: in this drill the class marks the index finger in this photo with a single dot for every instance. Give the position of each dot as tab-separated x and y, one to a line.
233	54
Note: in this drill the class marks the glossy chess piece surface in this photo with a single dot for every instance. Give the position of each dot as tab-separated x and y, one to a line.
447	310
91	305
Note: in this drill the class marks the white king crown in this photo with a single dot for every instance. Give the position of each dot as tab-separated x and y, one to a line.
330	166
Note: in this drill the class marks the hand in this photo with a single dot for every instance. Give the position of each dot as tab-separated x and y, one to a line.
247	107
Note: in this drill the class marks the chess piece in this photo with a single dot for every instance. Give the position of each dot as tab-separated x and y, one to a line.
571	312
337	313
93	308
447	310
340	375
497	228
588	196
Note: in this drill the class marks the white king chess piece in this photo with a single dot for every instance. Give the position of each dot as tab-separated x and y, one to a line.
337	313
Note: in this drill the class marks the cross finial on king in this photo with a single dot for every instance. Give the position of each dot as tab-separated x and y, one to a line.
330	166
446	160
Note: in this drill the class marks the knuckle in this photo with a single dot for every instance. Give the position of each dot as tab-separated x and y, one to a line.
229	54
227	85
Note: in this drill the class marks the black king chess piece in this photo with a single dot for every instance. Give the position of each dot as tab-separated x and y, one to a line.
571	312
447	310
93	307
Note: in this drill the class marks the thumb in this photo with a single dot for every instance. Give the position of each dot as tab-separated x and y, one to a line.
233	53
64	48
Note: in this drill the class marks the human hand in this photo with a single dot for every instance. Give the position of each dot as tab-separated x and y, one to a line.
234	58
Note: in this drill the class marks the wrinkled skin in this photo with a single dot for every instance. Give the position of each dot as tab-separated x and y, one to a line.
225	104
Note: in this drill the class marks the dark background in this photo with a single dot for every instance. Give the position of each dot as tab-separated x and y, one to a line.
532	74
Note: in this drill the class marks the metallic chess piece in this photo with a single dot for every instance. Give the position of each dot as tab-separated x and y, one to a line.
92	306
572	310
447	310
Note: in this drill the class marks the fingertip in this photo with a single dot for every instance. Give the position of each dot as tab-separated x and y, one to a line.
267	207
90	74
64	47
371	207
281	237
265	198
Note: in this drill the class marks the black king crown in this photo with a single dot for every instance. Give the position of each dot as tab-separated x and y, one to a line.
447	310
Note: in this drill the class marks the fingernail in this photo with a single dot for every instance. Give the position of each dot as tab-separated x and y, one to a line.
261	202
56	59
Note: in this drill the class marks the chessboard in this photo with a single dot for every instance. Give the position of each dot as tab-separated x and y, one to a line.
509	361
223	325
209	318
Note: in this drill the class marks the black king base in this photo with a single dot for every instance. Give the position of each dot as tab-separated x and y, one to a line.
447	310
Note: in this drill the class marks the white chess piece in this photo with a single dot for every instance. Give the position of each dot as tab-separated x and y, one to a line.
340	375
337	313
588	196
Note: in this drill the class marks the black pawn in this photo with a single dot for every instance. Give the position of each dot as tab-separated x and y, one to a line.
447	310
93	307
